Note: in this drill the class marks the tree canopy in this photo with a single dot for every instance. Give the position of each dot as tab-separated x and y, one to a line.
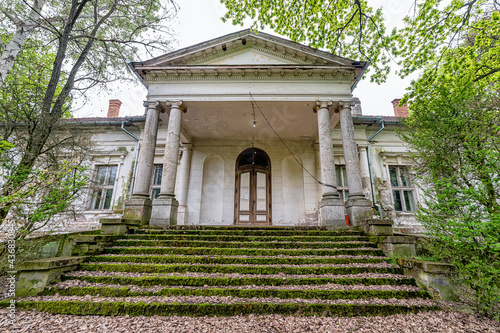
453	132
90	41
357	30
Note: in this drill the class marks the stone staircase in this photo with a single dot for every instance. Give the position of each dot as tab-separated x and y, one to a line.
223	271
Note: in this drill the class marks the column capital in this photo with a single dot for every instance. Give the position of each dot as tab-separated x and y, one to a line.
177	104
322	104
362	146
347	104
151	104
186	146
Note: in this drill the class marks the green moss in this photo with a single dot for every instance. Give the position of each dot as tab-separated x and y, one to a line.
152	268
248	245
250	232
244	293
233	260
237	238
237	251
245	281
199	310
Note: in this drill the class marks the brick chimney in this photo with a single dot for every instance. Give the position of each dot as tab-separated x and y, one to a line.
400	111
114	108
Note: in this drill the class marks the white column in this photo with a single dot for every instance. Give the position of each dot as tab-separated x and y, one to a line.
326	150
164	210
350	151
331	206
147	153
185	167
358	207
138	207
318	169
171	150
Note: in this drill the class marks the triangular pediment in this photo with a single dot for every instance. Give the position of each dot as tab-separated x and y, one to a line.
248	48
249	55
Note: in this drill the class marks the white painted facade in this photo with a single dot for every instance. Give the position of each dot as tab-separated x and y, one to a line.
214	80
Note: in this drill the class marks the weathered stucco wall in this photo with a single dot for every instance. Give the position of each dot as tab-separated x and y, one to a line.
294	193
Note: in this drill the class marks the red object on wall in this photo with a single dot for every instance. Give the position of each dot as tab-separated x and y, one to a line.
347	219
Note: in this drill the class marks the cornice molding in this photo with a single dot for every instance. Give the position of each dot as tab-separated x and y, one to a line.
250	76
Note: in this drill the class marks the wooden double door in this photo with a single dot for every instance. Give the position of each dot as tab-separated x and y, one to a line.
253	188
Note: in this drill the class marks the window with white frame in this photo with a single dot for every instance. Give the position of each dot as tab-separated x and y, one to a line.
156	183
403	192
103	187
342	185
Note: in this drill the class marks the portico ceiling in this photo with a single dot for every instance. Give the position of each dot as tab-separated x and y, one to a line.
234	120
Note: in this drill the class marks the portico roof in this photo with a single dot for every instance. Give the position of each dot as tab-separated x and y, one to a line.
250	53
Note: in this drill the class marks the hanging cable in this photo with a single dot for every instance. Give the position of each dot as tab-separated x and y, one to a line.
284	144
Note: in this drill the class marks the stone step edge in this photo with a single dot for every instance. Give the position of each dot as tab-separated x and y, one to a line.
246	248
237	236
148	280
199	310
130	240
246	227
195	260
158	268
329	286
346	265
324	294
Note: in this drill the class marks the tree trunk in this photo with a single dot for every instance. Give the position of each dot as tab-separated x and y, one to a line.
17	41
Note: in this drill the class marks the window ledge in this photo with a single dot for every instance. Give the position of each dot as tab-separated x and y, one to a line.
99	211
405	213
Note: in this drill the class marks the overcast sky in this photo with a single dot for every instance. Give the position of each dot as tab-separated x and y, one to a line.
199	20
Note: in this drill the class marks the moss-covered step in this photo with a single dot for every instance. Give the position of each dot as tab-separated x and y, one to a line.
248	245
159	259
237	251
205	309
243	293
242	227
238	238
242	281
250	232
227	269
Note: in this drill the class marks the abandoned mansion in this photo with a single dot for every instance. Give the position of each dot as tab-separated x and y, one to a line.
248	129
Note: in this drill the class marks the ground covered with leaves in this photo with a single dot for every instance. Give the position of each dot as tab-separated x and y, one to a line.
441	321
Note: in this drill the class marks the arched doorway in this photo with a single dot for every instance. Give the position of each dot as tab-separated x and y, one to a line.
253	188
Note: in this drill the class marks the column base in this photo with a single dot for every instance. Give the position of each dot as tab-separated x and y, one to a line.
359	209
332	211
164	211
138	208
